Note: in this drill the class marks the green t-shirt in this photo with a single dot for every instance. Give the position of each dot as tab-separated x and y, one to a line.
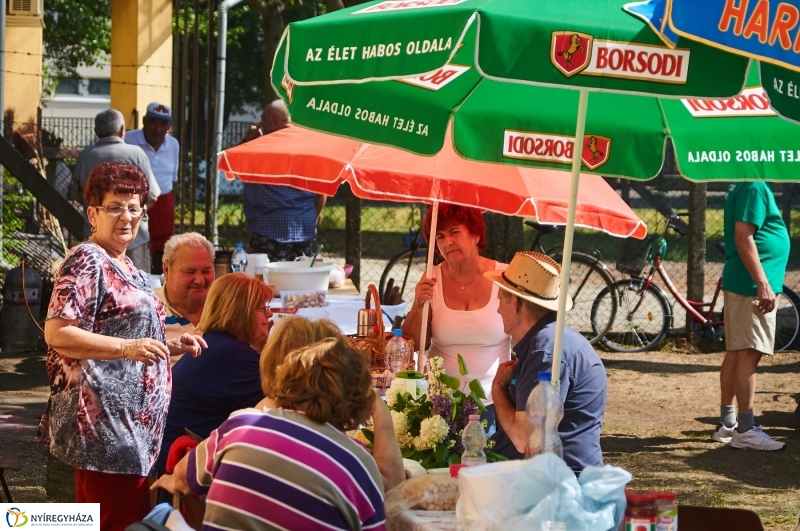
753	202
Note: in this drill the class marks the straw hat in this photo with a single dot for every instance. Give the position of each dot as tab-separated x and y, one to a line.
532	276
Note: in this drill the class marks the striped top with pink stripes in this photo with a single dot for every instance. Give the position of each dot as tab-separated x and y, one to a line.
277	469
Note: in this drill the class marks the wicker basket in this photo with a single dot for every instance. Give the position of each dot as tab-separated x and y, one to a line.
633	256
373	347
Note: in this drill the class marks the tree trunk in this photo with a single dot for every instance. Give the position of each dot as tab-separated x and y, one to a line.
272	26
696	238
333	5
503	236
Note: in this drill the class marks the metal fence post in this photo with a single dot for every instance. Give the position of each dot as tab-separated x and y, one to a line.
3	264
696	240
352	236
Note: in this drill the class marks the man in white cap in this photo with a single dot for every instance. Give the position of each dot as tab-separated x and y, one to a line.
528	304
163	151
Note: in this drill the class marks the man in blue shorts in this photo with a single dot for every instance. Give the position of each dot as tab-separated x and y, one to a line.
528	303
756	253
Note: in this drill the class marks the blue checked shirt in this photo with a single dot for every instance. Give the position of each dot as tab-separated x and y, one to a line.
281	213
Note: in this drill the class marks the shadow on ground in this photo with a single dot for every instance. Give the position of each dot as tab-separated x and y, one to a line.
656	367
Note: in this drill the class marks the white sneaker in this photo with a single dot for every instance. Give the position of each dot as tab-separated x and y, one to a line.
723	434
755	439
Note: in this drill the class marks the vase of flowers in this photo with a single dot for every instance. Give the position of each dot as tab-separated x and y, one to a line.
429	427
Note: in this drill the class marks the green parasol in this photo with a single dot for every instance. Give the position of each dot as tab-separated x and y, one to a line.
402	72
738	138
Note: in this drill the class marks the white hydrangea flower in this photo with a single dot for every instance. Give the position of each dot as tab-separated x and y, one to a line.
432	431
405	440
391	396
400	421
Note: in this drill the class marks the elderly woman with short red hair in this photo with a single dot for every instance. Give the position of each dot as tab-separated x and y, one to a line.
463	315
107	357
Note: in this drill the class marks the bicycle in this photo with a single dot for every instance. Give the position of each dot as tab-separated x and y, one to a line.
644	312
588	277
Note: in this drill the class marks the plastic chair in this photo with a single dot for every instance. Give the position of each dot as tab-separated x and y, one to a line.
11	462
694	518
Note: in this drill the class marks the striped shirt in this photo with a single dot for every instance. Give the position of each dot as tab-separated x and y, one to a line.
277	469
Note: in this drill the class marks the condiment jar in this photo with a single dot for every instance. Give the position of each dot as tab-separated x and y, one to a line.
641	512
667	516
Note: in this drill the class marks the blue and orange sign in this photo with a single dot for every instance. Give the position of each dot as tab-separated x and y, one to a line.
762	29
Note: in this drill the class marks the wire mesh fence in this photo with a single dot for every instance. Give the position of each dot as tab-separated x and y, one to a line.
386	228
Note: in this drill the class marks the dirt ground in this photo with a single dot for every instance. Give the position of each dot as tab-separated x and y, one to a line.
662	408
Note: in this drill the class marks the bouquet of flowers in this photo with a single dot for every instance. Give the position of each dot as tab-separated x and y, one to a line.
429	427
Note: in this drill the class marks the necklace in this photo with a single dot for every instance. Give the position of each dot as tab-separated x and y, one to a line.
457	282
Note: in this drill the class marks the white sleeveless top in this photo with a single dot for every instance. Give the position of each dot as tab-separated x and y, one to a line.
475	334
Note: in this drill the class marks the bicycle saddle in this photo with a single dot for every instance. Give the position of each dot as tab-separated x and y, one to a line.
540	227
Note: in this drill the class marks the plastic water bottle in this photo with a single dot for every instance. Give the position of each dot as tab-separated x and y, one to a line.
474	439
545	411
398	352
238	259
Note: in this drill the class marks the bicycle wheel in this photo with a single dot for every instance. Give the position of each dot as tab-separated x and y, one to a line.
406	269
787	320
642	318
587	278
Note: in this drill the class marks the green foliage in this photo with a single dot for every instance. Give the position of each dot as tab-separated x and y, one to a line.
76	32
370	435
439	448
494	457
462	366
476	387
475	398
16	199
450	381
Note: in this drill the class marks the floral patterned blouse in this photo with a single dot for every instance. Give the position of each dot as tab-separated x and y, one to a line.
105	415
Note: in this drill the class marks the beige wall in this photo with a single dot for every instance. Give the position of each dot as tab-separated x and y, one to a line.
23	84
141	55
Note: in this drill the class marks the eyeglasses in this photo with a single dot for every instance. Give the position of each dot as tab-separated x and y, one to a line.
116	210
264	309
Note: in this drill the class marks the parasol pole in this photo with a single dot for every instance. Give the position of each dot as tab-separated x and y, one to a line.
566	261
422	360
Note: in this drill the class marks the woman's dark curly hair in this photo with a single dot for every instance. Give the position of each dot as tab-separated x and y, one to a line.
451	215
327	380
116	177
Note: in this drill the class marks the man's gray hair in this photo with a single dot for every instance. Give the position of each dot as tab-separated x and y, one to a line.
108	123
187	239
529	306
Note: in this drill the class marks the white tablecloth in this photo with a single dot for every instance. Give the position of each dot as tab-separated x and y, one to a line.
424	521
343	310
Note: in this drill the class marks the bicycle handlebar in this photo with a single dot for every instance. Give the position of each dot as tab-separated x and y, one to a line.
673	226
